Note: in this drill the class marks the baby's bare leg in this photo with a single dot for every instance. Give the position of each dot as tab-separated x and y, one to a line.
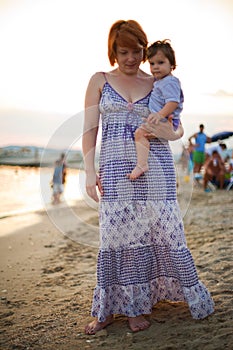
142	148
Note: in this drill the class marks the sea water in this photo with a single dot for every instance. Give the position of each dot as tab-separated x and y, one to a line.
25	189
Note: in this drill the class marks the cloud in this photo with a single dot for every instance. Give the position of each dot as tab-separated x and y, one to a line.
220	93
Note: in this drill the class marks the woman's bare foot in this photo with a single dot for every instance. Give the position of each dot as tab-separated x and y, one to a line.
138	171
96	326
138	323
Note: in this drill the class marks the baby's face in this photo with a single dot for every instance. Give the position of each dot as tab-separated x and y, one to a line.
160	65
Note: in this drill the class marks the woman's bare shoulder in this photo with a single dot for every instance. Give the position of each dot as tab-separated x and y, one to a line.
97	81
98	77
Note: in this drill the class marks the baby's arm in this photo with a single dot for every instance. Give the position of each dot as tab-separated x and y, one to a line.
166	111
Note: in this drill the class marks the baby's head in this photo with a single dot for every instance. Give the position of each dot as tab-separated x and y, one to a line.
164	47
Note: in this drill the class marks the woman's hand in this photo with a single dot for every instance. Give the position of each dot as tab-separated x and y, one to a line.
92	180
157	126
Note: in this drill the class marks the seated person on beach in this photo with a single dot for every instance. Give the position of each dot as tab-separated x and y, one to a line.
229	172
221	148
214	171
166	99
230	162
57	184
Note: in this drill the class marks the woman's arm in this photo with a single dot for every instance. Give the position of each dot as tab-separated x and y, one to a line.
90	131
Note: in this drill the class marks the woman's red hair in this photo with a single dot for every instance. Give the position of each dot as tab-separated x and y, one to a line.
126	34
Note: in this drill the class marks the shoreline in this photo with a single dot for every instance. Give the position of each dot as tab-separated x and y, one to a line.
48	277
27	189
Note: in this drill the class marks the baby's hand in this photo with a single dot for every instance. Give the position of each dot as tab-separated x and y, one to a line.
154	118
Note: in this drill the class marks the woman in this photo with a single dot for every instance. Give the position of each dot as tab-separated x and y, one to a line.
143	256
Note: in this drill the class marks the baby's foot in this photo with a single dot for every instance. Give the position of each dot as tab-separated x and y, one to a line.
96	326
138	323
138	171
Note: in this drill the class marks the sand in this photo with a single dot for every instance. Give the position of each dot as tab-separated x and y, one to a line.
47	280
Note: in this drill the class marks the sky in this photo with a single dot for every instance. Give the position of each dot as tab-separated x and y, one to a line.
50	49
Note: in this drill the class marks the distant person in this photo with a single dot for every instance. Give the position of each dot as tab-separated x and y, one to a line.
190	150
166	98
199	152
57	184
224	152
221	148
229	174
230	162
214	171
184	158
64	168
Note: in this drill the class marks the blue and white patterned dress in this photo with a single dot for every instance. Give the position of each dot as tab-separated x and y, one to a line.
143	257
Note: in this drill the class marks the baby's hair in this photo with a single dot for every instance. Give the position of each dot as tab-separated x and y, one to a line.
165	47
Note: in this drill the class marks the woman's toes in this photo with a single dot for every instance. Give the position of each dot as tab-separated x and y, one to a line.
96	326
138	323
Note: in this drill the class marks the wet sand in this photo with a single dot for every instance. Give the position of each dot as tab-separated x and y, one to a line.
47	280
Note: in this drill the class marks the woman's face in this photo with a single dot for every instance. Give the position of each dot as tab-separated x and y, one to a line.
128	59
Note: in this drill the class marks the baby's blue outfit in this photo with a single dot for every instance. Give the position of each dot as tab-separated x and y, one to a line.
166	90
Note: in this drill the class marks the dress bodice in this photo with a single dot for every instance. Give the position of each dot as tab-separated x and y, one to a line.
118	157
114	108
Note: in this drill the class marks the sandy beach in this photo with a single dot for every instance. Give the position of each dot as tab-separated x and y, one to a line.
48	276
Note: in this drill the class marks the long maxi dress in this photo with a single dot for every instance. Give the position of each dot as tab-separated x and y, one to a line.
143	257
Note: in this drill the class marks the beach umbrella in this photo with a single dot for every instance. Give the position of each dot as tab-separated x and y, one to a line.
221	135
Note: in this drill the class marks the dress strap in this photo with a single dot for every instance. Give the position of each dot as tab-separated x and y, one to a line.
105	78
